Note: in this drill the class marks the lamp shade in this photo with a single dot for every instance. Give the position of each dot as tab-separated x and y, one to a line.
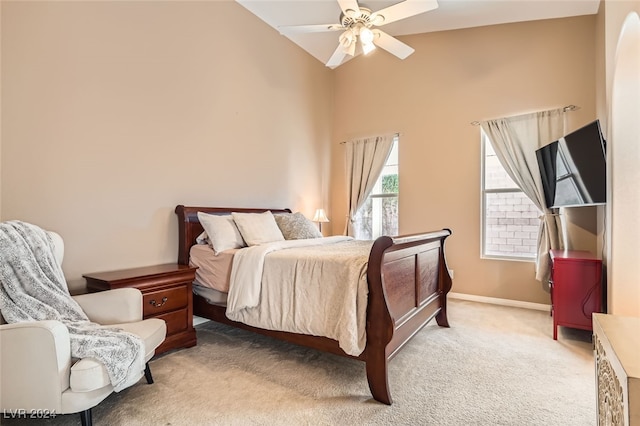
320	216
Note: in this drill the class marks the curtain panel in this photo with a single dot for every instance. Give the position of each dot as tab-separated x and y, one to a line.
515	140
365	159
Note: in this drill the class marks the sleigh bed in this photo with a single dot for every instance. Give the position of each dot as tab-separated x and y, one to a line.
407	279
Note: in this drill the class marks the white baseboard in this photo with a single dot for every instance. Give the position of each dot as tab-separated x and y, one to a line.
503	302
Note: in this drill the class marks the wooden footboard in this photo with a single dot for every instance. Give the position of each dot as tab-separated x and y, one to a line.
408	284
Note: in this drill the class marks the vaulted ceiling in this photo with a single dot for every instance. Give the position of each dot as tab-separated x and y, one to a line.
450	14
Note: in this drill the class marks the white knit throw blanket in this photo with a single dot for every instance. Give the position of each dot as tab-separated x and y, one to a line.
34	289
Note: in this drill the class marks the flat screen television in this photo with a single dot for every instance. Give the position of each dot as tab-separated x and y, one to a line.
573	168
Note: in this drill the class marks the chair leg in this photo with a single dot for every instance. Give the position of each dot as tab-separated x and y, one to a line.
147	374
85	418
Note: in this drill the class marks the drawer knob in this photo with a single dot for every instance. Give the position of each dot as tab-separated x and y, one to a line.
153	302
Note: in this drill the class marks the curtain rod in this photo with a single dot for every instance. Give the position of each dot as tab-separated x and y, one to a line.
564	109
394	134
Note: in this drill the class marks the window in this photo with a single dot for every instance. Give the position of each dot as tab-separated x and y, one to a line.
379	214
509	218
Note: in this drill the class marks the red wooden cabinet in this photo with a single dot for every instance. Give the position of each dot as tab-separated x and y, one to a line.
576	289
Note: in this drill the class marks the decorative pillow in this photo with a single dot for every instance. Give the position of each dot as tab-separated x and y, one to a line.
222	232
295	226
258	228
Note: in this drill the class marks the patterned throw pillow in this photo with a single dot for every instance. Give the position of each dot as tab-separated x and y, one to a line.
295	226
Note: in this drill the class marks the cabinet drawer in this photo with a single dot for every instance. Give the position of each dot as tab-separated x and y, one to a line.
176	321
166	294
157	302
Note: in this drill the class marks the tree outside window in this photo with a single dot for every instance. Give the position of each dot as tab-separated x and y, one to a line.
379	214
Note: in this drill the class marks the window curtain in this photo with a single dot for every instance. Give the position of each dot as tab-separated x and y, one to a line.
365	159
515	140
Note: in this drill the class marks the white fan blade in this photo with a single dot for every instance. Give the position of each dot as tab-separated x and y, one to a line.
336	58
403	10
392	44
347	5
294	29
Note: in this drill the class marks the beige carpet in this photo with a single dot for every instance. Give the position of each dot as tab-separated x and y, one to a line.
494	366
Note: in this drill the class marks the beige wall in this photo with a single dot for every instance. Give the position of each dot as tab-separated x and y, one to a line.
452	79
621	102
115	112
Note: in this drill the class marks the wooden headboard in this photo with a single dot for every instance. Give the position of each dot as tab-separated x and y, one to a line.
189	226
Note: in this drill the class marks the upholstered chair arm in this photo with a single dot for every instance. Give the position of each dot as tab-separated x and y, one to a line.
35	360
112	306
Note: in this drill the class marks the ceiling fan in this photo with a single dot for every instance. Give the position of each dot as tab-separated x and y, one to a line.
360	23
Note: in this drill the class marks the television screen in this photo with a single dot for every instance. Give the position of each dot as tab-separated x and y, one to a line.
573	168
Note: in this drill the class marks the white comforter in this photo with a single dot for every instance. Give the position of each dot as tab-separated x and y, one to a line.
316	286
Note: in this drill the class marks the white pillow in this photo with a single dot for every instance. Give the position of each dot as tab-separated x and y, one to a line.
222	232
258	228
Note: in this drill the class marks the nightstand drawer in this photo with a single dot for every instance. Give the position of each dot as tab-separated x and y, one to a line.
166	294
158	302
176	321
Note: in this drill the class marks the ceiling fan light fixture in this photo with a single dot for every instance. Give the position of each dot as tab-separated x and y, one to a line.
368	48
359	28
366	35
366	39
348	42
350	49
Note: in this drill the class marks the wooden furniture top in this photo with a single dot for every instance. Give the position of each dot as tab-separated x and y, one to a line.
573	255
127	277
623	334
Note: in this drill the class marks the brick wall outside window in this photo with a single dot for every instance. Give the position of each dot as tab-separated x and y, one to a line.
510	218
511	225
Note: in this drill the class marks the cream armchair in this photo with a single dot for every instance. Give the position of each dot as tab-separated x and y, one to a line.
38	374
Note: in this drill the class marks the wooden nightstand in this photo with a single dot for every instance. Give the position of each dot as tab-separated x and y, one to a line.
166	294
